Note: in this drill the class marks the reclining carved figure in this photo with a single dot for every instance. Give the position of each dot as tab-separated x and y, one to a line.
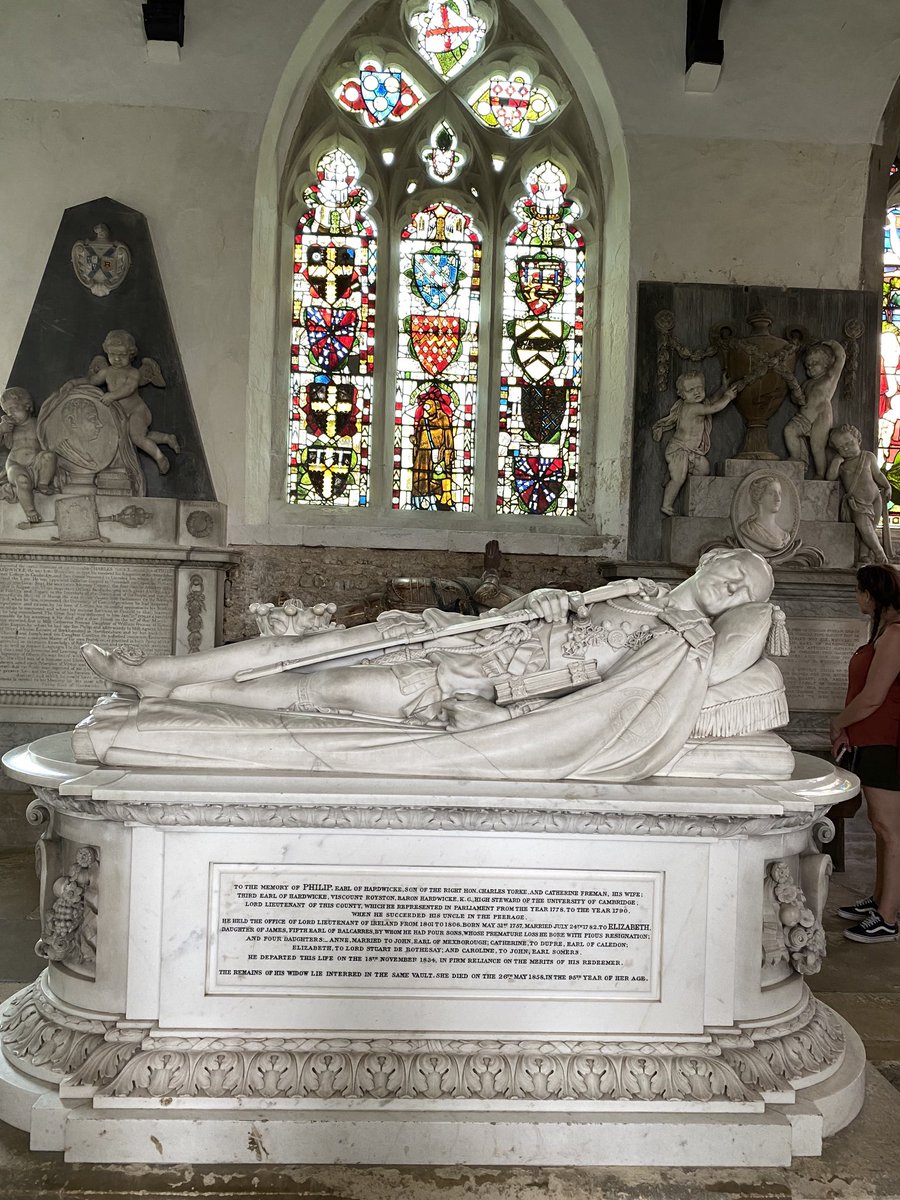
551	687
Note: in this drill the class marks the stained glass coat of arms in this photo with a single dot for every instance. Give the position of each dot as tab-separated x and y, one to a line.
437	362
889	389
332	336
378	92
513	103
541	356
448	36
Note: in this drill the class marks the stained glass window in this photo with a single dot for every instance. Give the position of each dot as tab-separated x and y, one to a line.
465	404
512	102
889	389
541	352
437	361
448	36
442	157
332	339
379	92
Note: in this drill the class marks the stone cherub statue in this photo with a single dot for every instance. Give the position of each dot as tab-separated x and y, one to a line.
29	467
866	490
556	685
691	419
122	379
812	424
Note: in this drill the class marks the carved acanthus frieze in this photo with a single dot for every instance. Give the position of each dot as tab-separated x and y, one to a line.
807	1044
433	817
734	1067
36	1033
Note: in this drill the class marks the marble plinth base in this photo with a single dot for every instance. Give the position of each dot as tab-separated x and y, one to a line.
273	968
679	1138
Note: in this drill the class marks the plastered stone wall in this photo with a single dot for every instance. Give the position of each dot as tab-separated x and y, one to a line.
311	574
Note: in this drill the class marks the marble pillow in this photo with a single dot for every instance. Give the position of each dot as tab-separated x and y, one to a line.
740	639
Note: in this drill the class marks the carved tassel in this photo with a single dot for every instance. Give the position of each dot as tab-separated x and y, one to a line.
778	644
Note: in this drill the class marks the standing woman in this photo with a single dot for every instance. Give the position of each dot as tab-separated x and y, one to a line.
869	726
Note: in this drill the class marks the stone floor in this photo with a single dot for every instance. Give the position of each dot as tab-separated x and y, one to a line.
861	982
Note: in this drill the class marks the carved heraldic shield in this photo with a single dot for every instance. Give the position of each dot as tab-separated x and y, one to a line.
100	263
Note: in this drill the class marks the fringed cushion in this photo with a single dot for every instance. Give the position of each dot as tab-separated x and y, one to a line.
748	703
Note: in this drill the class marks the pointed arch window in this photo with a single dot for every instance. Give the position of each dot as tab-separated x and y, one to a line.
443	150
889	386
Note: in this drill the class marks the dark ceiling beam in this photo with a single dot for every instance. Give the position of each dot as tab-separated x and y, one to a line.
164	21
704	50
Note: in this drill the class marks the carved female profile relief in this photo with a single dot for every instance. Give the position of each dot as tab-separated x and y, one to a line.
765	513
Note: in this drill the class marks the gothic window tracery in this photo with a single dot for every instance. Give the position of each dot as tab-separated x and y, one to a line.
442	155
889	384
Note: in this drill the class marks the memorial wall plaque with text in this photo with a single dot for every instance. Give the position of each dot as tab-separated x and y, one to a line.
815	673
297	929
51	606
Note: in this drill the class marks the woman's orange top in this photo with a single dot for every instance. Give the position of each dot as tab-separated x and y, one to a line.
882	728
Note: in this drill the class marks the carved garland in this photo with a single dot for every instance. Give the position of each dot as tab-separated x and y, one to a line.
667	343
69	929
196	605
384	816
791	930
736	1067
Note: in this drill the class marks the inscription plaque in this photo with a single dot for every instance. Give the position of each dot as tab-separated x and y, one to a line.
815	672
301	929
50	608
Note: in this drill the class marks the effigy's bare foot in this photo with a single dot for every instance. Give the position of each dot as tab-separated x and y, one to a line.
33	516
118	669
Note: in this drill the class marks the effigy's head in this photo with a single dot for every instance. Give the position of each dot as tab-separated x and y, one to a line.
726	578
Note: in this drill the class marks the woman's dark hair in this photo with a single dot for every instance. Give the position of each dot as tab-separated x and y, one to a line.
883	584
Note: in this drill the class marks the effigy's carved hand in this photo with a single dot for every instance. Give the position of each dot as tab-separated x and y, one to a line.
397	623
553	604
471	712
647	589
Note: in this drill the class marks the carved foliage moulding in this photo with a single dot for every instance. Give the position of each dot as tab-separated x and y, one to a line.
736	1067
